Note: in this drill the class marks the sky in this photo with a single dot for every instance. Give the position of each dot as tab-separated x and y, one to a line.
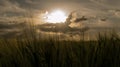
21	10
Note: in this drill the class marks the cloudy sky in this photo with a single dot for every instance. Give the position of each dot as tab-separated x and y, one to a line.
94	10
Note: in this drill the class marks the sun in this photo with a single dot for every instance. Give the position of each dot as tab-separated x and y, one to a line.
57	16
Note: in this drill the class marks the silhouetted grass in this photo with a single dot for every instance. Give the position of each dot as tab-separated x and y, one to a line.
36	52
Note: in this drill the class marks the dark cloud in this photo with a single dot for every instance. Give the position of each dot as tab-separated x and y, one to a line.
8	6
62	28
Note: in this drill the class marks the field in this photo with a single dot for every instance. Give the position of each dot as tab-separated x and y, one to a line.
59	33
32	52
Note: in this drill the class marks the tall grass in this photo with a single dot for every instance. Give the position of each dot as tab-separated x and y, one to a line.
36	52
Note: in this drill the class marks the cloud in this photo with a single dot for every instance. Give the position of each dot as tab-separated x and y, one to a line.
95	12
19	11
115	12
108	3
10	30
8	6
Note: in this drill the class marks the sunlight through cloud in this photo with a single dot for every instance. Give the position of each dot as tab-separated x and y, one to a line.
56	17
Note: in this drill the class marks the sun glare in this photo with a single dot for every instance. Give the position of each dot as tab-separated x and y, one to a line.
56	17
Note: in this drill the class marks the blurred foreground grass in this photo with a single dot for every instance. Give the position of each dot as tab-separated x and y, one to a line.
105	52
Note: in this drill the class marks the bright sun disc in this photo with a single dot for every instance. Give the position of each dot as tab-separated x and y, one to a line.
56	17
